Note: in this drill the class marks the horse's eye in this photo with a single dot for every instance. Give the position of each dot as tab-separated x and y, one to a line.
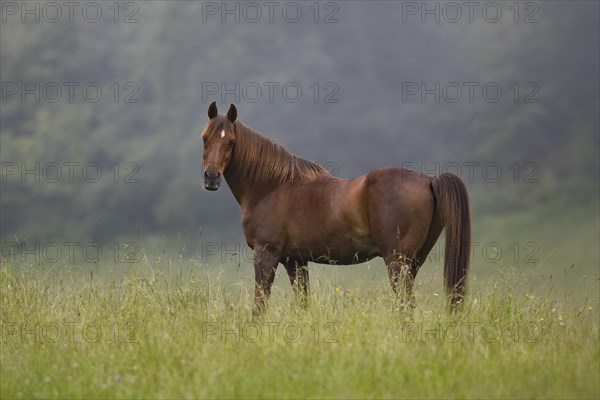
204	139
232	142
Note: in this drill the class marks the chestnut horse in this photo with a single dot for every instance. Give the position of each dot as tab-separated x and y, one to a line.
294	211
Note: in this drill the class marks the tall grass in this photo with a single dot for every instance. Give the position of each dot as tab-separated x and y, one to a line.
178	330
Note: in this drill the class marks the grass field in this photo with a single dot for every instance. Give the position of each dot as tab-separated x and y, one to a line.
180	330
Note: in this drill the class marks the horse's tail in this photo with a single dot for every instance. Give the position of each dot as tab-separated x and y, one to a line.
453	208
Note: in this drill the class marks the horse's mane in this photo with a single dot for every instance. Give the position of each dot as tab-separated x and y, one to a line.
261	160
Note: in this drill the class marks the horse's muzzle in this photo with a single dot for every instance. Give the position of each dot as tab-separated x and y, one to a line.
212	180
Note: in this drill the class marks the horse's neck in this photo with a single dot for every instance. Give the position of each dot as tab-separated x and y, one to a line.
237	188
250	190
245	190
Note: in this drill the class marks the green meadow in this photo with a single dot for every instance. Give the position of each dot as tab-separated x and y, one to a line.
179	328
165	309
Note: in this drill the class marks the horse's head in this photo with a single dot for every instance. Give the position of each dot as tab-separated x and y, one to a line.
219	139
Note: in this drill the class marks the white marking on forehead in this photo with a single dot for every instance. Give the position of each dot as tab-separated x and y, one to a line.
223	133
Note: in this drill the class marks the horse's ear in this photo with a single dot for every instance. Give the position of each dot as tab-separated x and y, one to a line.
212	110
232	113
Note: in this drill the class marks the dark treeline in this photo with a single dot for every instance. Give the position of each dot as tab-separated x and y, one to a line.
100	121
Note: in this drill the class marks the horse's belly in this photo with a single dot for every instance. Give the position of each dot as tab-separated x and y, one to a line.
347	259
342	249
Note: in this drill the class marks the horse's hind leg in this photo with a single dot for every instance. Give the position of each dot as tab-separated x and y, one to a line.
399	208
298	274
402	271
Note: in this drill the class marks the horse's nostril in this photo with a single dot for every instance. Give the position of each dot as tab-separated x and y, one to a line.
212	174
212	179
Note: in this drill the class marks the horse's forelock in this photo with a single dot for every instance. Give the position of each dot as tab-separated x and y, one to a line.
217	124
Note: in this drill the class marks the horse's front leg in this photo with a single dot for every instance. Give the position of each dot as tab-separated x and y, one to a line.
298	273
265	265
